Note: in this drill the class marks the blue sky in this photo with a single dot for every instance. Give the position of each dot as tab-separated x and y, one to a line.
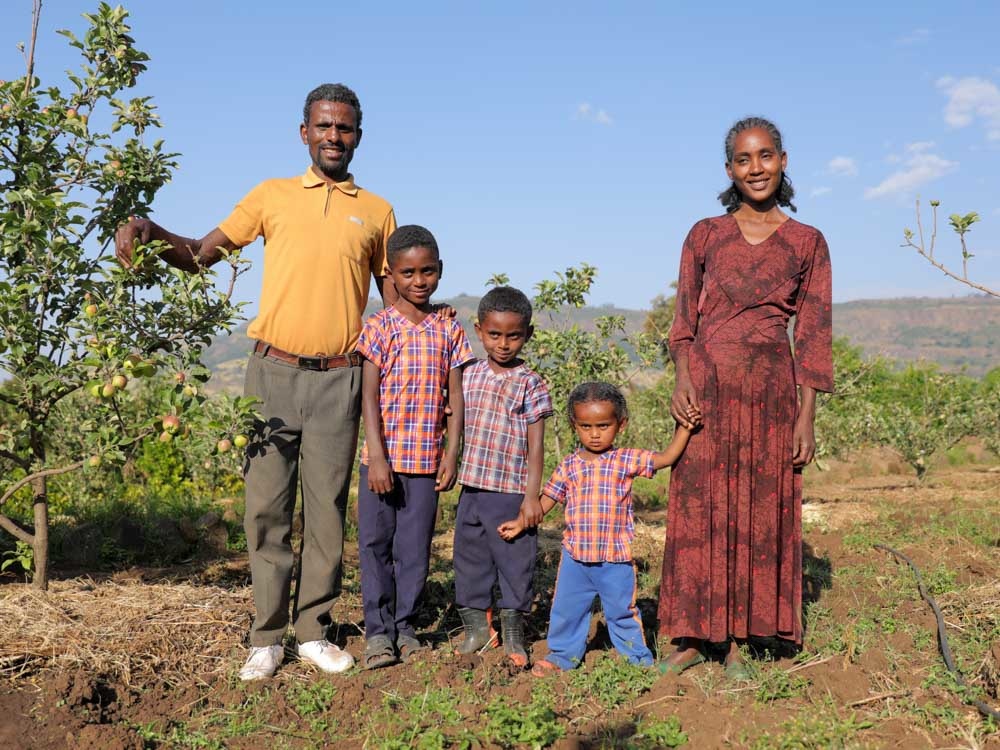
532	136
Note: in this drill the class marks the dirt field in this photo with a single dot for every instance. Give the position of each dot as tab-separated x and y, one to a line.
148	658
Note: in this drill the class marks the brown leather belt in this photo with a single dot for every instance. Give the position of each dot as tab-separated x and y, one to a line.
318	362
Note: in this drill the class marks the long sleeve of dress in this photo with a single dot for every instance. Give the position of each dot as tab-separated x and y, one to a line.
813	333
689	283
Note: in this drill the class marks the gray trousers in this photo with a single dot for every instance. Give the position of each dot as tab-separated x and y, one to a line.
308	433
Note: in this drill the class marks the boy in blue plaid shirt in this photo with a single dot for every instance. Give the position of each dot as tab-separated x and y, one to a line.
506	404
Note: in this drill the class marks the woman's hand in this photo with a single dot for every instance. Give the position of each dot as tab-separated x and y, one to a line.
684	402
803	441
804	437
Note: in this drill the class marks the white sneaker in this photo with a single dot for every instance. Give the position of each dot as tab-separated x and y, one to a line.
263	662
326	656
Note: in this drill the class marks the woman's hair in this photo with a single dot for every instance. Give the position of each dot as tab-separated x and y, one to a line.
731	197
587	393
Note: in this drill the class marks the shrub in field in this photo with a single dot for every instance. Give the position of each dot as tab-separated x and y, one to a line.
923	410
845	418
566	355
987	414
77	330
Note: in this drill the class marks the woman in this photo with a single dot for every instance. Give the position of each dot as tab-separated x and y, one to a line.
732	566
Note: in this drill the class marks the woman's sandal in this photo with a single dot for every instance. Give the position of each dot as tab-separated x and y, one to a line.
378	652
665	667
543	667
737	671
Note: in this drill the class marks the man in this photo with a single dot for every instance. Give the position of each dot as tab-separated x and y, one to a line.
325	238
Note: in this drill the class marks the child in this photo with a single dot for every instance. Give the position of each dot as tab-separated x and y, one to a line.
412	355
595	485
505	409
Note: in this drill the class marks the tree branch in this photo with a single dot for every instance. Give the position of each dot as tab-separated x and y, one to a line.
36	13
38	475
17	460
15	529
928	252
947	272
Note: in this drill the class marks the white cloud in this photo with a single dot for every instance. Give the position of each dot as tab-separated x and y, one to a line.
914	37
919	168
842	166
969	99
586	112
816	192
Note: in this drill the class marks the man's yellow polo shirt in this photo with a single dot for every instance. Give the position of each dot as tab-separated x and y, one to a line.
322	244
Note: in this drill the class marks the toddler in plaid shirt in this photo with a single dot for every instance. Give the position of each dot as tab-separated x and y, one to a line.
595	485
506	405
412	355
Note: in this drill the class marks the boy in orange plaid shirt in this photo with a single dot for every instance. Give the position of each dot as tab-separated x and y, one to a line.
595	485
412	356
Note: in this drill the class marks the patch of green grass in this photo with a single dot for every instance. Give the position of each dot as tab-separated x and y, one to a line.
978	526
817	728
179	735
862	538
657	733
611	681
939	580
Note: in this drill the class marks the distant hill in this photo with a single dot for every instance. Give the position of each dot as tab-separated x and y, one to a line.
955	332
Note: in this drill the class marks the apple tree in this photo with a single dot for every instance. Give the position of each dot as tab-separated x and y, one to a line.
76	160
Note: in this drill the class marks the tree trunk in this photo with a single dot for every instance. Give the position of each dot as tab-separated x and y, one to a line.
41	540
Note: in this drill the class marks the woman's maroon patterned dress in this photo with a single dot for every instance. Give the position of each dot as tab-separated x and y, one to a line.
732	565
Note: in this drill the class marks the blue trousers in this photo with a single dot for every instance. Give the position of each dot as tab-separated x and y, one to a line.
481	556
576	585
394	547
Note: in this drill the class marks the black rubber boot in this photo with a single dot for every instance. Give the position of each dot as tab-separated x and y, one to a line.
478	632
512	631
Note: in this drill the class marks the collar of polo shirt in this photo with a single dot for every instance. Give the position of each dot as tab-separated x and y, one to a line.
310	180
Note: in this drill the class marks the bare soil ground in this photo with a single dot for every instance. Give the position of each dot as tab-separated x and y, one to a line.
148	658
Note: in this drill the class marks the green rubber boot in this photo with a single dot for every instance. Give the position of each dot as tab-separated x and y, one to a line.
512	631
479	632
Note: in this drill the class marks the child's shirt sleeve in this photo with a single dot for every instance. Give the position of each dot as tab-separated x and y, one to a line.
640	463
537	402
461	351
371	343
558	485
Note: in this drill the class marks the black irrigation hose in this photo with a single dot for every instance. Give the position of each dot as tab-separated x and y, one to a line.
949	661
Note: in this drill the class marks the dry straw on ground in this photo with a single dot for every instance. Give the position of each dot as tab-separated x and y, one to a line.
133	633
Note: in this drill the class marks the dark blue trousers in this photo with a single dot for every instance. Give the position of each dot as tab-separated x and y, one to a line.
481	556
394	546
577	584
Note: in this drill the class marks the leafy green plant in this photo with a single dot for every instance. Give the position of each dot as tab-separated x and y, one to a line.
820	729
611	681
71	319
658	733
312	702
22	555
534	725
774	684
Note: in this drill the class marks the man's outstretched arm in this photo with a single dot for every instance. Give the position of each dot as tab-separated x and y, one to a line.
183	252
